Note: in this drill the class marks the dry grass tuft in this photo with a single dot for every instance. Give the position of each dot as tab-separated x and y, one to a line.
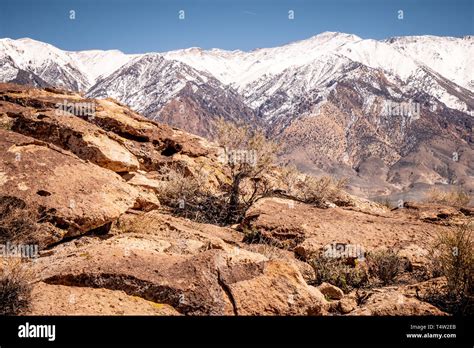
17	223
15	287
337	272
453	258
384	265
456	198
314	190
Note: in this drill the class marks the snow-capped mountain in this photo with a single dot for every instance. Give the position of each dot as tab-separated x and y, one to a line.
325	98
41	61
174	93
240	68
452	58
69	70
407	58
410	59
96	63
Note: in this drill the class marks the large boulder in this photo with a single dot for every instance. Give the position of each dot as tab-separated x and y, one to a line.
211	282
307	229
392	302
73	300
66	193
74	134
330	291
187	283
273	288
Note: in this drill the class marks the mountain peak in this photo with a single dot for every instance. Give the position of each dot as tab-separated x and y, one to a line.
27	39
332	35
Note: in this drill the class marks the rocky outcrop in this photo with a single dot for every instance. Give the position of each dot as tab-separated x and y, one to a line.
330	291
211	282
391	302
84	187
68	195
347	304
61	152
307	230
105	132
76	135
276	289
197	269
65	300
435	213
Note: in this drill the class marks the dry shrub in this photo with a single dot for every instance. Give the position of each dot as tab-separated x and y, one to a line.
320	190
249	156
254	236
187	196
314	190
291	178
453	258
385	202
337	272
249	159
456	198
17	223
384	265
6	123
15	288
177	185
270	247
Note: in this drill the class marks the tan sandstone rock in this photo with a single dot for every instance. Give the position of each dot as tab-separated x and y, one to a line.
392	302
331	291
70	300
74	195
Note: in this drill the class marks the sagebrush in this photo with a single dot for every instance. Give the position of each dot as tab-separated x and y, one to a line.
337	272
384	265
452	257
15	288
456	197
313	190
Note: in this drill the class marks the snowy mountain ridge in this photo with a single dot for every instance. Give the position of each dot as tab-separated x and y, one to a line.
271	81
450	57
324	98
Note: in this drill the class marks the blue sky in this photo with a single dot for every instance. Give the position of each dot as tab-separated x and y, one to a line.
137	26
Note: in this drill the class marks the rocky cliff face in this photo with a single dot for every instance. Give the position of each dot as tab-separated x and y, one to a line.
82	176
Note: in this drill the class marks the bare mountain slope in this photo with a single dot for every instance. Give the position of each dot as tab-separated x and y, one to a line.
337	102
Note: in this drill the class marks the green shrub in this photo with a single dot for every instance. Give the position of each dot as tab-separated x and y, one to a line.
384	265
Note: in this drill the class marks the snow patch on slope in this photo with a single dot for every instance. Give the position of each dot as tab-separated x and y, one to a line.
240	68
450	57
97	63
